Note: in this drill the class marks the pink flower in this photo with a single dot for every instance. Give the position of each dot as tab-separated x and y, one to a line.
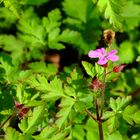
103	56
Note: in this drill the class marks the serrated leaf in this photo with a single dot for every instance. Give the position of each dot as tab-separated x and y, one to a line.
81	10
89	68
113	124
12	5
136	117
52	21
78	132
114	136
32	31
38	67
108	114
54	90
39	82
29	125
82	23
99	70
8	16
47	132
119	103
112	11
12	134
66	107
128	114
69	36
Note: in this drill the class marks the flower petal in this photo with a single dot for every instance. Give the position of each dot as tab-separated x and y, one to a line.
94	54
97	53
113	58
111	55
101	51
112	52
102	61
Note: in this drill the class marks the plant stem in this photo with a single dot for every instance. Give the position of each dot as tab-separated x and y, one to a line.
99	121
5	121
103	93
91	115
100	130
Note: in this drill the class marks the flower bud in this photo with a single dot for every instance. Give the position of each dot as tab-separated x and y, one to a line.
105	65
96	84
108	36
119	68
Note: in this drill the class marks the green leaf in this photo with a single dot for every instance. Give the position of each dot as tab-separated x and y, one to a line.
119	103
108	114
138	59
30	125
47	132
114	136
66	107
129	51
35	2
112	11
112	124
99	70
129	113
52	21
78	132
7	18
89	68
38	67
69	36
12	5
32	31
51	133
39	82
54	90
136	117
91	129
12	134
81	12
131	15
82	23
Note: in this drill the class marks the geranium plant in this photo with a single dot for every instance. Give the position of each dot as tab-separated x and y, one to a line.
69	70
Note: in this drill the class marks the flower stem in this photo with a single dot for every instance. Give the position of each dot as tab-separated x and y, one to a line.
5	121
91	115
99	120
103	93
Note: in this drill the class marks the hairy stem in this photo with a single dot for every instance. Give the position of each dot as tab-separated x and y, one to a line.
5	121
99	121
91	115
103	93
100	130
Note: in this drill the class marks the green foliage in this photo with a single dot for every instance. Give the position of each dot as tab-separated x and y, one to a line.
12	5
34	2
58	92
7	18
112	11
131	114
30	125
128	47
66	105
82	22
119	103
89	68
12	134
132	12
